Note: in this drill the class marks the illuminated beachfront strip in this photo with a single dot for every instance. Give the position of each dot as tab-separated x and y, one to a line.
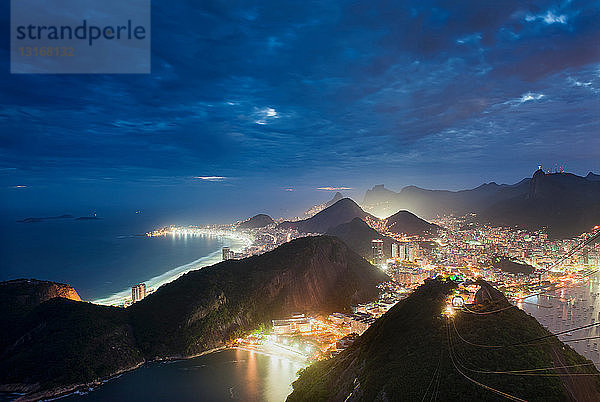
321	337
255	241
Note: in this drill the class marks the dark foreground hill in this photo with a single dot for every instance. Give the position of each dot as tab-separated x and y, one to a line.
18	297
358	235
342	211
565	203
415	353
257	221
205	307
61	344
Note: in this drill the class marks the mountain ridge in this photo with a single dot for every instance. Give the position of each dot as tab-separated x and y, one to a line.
564	203
405	222
358	235
257	221
342	211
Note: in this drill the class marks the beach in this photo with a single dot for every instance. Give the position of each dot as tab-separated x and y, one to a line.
233	242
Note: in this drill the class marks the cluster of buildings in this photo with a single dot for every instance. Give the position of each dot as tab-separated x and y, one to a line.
331	334
297	323
471	251
357	323
405	251
401	251
468	244
468	249
229	254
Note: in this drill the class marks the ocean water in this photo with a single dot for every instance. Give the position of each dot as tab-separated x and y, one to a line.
226	375
572	307
102	258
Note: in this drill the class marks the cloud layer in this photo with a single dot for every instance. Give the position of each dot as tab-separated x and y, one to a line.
312	91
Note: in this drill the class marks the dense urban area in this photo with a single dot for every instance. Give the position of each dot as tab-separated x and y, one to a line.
518	262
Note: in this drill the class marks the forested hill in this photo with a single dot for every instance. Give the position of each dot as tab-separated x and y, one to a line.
415	353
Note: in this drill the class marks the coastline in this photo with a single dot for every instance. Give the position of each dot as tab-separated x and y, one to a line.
119	298
68	390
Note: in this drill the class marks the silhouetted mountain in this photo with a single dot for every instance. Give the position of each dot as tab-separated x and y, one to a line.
312	211
358	235
380	198
565	203
414	353
257	221
338	196
431	203
342	211
62	343
593	177
404	222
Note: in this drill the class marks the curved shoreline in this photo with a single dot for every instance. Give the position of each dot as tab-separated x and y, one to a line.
121	297
69	390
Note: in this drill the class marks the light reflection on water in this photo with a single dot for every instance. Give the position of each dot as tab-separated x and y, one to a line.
571	308
231	374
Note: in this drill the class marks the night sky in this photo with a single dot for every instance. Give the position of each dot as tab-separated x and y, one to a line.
269	106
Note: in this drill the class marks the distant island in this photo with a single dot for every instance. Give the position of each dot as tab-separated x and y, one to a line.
65	216
46	218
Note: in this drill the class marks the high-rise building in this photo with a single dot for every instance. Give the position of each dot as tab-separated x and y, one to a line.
403	251
413	252
395	250
227	253
138	292
377	248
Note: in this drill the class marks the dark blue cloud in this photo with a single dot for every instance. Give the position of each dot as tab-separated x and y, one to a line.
320	93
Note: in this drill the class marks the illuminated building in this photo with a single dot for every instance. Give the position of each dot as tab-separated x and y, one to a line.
403	251
227	254
395	250
298	323
413	251
359	324
138	292
377	249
